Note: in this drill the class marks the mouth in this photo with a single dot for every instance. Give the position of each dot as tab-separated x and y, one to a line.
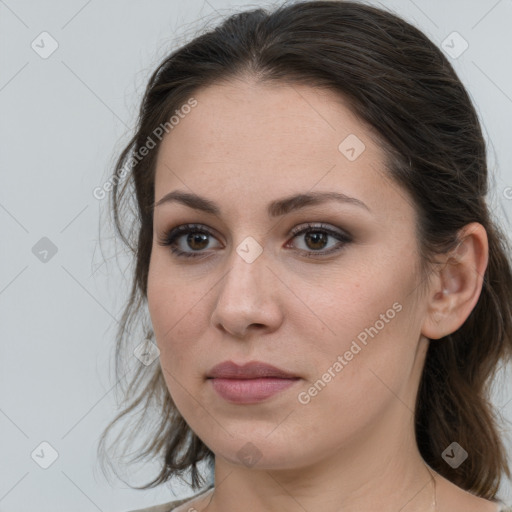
249	383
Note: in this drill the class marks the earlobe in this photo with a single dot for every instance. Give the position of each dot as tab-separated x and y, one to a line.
458	284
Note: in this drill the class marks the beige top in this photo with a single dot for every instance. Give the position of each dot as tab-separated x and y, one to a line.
167	507
172	505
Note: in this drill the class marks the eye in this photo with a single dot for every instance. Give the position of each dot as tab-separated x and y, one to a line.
197	239
317	236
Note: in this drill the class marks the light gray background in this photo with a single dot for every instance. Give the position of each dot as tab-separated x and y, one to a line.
63	119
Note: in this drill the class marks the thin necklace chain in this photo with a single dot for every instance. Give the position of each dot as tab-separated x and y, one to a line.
434	501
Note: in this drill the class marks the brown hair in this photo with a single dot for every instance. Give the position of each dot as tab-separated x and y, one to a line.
398	82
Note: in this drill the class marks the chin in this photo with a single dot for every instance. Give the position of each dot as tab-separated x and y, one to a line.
260	451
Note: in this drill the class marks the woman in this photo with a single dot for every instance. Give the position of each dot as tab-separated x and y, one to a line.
328	293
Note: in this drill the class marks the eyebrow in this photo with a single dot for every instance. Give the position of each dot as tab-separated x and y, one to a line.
276	208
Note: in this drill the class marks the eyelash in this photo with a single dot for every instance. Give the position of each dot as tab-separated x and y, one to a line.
170	237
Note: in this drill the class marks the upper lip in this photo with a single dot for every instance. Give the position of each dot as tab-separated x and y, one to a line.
250	370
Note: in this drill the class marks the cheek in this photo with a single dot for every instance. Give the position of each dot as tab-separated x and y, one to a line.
368	330
356	306
174	321
164	307
355	383
176	308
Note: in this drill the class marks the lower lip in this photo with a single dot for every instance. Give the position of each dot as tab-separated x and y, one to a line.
248	391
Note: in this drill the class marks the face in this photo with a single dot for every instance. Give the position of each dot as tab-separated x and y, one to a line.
326	291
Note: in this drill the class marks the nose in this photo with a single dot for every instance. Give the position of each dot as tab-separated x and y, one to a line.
248	298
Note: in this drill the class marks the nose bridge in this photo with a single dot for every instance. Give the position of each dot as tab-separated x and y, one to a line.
245	296
246	277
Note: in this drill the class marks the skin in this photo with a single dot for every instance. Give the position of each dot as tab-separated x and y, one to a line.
353	444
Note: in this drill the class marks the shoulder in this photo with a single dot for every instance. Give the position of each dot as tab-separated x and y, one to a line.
164	507
173	505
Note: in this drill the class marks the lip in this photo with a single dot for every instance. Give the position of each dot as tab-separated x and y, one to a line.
250	383
250	370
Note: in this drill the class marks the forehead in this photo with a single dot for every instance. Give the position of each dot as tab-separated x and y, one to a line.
248	138
241	118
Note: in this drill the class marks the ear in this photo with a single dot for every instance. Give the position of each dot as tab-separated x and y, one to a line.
456	287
